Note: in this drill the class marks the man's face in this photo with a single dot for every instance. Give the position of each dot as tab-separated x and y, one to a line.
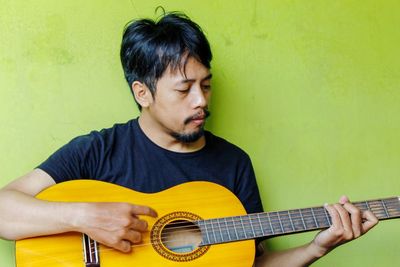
180	103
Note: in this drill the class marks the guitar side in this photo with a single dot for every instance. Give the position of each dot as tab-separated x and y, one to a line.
204	199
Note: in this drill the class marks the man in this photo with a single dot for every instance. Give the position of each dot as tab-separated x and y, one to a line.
167	66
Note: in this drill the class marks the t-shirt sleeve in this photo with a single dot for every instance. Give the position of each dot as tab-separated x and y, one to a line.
246	188
75	160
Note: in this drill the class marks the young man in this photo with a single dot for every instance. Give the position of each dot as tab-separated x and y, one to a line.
167	66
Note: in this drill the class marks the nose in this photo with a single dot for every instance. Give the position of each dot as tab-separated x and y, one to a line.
200	97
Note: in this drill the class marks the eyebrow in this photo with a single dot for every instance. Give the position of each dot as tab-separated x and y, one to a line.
208	77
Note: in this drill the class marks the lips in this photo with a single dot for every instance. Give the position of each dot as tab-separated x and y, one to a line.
198	118
198	121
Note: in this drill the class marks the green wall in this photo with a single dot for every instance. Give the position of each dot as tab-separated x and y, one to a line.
310	89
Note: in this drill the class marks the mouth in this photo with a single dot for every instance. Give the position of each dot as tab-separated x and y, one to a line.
199	118
198	121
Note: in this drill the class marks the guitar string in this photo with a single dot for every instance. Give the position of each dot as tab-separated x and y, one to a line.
247	219
278	230
294	214
374	207
194	229
272	217
148	244
105	249
277	224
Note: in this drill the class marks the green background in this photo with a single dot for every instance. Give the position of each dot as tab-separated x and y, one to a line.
310	89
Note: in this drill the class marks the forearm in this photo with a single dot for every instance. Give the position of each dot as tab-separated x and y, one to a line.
24	216
295	257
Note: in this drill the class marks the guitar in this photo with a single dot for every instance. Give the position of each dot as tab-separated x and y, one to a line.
198	224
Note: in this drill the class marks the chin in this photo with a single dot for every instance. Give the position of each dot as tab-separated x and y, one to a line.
189	137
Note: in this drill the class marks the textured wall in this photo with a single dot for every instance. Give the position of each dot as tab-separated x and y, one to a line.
308	88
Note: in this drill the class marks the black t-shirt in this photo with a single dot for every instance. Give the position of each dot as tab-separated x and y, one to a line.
124	155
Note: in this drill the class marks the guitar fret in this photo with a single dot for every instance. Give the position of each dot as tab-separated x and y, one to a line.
280	222
315	220
366	202
328	218
363	206
270	223
377	209
295	219
291	222
248	227
244	230
309	219
234	227
393	205
213	231
220	230
261	227
285	221
265	225
206	230
231	229
302	219
322	218
384	208
227	230
276	223
252	228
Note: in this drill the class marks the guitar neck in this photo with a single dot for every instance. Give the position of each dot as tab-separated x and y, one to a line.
270	224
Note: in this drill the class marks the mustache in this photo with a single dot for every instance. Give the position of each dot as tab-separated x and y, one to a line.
204	114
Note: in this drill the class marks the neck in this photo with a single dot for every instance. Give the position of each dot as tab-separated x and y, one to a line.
161	137
270	224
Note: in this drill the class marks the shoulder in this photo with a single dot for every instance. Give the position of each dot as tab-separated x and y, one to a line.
119	131
221	145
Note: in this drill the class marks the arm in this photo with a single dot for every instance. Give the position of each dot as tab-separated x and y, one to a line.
348	223
22	215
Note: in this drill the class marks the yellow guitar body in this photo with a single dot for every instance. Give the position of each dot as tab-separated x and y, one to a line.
203	199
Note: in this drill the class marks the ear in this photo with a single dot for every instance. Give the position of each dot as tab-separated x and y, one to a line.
142	94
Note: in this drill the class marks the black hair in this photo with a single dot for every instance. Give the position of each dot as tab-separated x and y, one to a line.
149	47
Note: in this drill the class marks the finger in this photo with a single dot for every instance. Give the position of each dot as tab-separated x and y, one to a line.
370	221
139	225
143	210
336	222
343	200
123	246
132	236
345	221
355	218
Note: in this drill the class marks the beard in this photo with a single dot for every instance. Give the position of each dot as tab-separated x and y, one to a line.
194	136
189	137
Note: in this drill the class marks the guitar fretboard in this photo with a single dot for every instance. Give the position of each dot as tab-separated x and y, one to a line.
270	224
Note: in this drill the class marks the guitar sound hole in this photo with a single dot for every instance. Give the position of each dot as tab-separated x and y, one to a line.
181	236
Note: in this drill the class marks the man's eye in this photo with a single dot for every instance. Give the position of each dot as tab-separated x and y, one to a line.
183	91
206	87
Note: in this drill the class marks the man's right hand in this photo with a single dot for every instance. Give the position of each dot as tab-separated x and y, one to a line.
116	225
22	215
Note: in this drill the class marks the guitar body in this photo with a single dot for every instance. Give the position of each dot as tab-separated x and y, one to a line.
188	201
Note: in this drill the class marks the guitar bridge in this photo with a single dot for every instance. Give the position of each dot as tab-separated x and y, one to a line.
90	251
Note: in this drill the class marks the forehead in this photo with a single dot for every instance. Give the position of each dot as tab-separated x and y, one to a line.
189	69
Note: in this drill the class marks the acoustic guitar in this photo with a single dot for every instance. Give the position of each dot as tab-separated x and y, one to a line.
198	224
